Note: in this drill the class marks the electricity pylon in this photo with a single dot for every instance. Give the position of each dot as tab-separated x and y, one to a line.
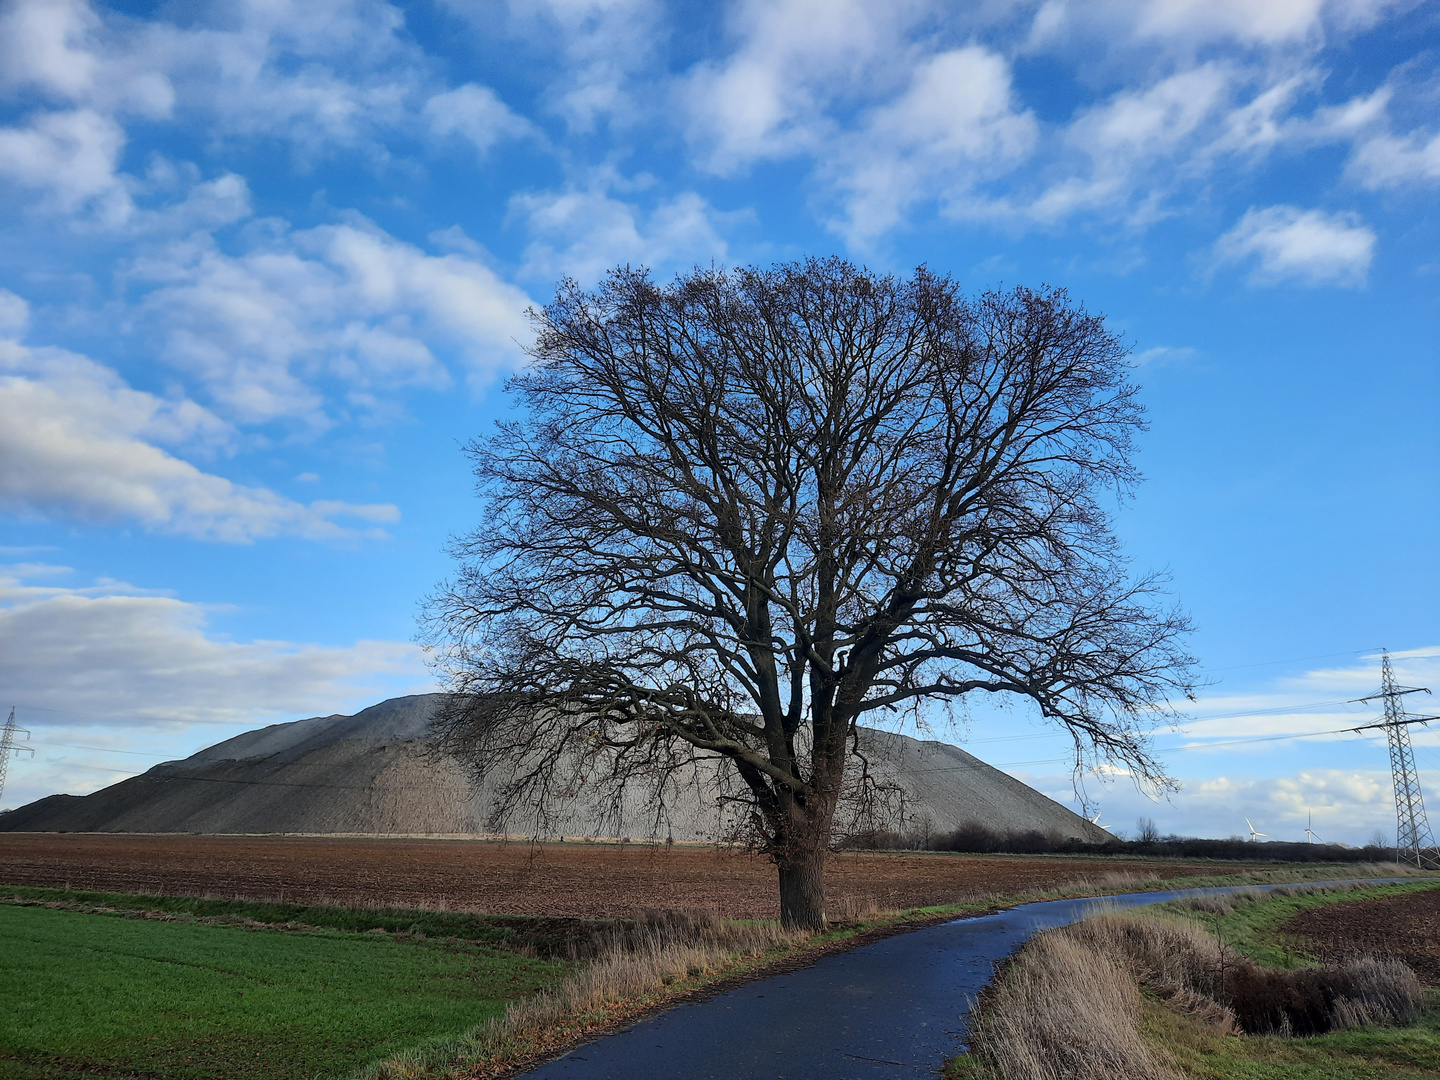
7	747
1414	842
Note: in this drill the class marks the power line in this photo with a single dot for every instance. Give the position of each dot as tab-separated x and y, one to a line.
1272	711
102	749
1256	739
132	719
1291	660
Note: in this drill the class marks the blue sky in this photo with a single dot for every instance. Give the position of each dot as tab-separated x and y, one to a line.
264	267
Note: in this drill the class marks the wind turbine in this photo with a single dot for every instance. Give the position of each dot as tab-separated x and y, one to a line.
1096	819
1255	833
1310	834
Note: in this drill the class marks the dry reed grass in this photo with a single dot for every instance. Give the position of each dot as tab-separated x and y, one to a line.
1063	1011
1226	903
1067	1007
848	910
639	962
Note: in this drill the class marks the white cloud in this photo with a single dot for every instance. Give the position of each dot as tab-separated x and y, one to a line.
1153	121
888	119
126	669
196	205
1320	703
1309	246
64	50
71	161
1128	152
583	233
793	61
316	74
1268	22
77	443
1346	805
70	158
110	651
1380	157
1277	751
1161	355
1185	26
893	117
474	113
955	125
265	330
41	45
602	47
1390	161
14	315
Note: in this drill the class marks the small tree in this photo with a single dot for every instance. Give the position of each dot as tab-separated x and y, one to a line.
750	510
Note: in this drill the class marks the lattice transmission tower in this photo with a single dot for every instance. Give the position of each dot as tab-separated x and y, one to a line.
8	747
1414	842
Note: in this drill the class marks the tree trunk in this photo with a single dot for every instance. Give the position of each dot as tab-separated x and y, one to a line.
802	889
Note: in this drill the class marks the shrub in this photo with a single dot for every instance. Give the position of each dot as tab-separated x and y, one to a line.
976	838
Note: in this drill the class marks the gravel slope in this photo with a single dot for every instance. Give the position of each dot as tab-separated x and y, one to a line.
375	773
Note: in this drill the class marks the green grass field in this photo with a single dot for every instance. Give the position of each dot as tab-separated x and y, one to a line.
94	994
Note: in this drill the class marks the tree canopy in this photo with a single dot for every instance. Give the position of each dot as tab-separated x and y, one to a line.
743	513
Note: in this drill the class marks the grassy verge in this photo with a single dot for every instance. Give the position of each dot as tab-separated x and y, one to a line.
567	938
1171	991
87	995
1197	1052
1250	924
1251	929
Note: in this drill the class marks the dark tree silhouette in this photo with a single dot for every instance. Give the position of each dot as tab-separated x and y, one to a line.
749	510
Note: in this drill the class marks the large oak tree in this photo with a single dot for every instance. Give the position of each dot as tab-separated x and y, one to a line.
748	511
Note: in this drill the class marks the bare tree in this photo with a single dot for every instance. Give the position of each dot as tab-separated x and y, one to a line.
750	510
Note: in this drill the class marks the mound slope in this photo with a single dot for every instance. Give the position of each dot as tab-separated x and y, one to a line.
376	773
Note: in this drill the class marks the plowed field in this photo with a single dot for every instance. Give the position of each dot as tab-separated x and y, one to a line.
518	878
1407	927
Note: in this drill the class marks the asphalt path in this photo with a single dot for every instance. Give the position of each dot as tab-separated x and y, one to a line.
894	1008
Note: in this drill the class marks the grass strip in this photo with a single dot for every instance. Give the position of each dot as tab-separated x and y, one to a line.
180	1000
1197	1052
1252	927
561	937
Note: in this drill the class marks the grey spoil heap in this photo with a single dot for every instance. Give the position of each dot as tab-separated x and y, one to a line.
375	772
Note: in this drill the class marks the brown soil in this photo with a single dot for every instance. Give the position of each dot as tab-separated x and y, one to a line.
518	878
1407	927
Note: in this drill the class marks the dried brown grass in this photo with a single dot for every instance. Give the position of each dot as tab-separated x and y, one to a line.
1067	1007
639	963
1063	1010
1226	903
